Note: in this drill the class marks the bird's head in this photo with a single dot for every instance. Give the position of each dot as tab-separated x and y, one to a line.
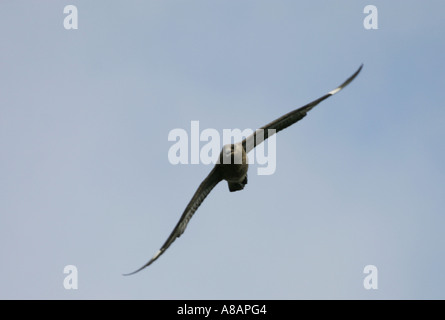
232	153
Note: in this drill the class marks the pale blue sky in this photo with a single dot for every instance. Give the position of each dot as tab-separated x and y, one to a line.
85	177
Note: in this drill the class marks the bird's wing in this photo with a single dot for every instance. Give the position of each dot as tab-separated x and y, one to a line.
204	189
290	118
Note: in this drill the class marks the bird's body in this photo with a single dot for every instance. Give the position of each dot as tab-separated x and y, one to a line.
232	164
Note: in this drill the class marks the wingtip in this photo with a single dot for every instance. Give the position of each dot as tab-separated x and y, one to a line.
145	265
357	72
129	274
348	81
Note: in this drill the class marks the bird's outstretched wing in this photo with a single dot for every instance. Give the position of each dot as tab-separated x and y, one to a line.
204	189
290	118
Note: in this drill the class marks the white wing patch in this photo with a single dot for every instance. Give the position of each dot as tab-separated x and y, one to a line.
334	91
156	255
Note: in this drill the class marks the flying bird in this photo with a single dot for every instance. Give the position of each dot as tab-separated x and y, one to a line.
232	165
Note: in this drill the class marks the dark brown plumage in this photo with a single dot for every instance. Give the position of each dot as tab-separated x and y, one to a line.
232	165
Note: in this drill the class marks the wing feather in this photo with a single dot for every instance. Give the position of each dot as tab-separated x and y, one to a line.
290	118
201	193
